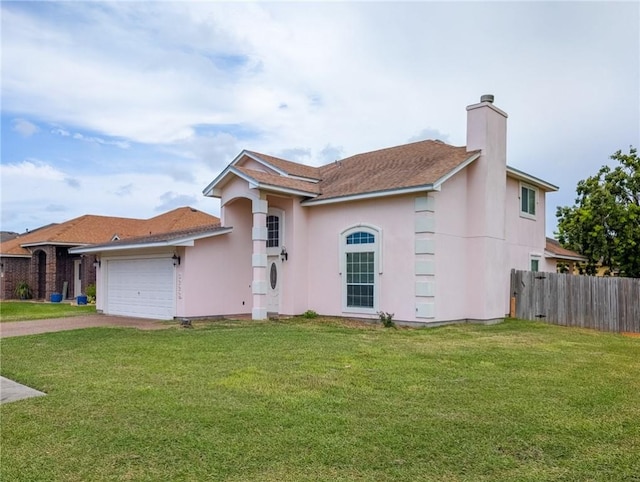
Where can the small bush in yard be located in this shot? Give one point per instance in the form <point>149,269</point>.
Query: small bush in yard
<point>310,314</point>
<point>386,319</point>
<point>91,292</point>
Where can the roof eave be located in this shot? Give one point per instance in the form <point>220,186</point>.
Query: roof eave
<point>50,243</point>
<point>523,176</point>
<point>213,188</point>
<point>370,195</point>
<point>182,241</point>
<point>550,254</point>
<point>282,190</point>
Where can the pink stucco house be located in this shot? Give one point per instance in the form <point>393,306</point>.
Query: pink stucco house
<point>426,231</point>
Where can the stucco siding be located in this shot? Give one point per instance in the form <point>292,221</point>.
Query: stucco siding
<point>216,272</point>
<point>395,218</point>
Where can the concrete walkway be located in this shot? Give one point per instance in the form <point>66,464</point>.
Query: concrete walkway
<point>11,391</point>
<point>21,328</point>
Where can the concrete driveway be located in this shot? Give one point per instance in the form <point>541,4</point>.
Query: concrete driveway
<point>11,391</point>
<point>21,328</point>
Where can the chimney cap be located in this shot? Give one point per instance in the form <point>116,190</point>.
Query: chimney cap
<point>487,98</point>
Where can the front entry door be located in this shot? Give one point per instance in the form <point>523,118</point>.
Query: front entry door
<point>274,280</point>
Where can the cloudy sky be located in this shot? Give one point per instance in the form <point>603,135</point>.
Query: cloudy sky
<point>131,109</point>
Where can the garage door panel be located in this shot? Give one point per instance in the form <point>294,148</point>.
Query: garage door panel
<point>141,287</point>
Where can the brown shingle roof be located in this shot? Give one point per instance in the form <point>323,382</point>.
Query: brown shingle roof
<point>280,181</point>
<point>554,247</point>
<point>90,229</point>
<point>291,168</point>
<point>167,236</point>
<point>411,165</point>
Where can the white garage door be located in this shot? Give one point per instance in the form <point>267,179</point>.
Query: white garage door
<point>141,287</point>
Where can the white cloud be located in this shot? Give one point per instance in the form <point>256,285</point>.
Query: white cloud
<point>24,127</point>
<point>353,77</point>
<point>36,170</point>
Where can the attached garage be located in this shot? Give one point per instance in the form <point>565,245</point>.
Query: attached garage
<point>143,287</point>
<point>148,277</point>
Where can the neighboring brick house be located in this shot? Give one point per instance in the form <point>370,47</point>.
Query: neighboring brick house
<point>42,259</point>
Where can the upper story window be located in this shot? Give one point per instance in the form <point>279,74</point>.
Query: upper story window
<point>528,195</point>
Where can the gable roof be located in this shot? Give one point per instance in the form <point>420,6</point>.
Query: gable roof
<point>267,179</point>
<point>91,229</point>
<point>418,166</point>
<point>291,168</point>
<point>553,249</point>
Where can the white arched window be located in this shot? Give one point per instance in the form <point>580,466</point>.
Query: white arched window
<point>360,268</point>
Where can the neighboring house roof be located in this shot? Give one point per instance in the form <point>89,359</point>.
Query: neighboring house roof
<point>185,237</point>
<point>7,235</point>
<point>422,165</point>
<point>553,249</point>
<point>91,229</point>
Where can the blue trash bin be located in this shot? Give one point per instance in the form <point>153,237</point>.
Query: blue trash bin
<point>82,300</point>
<point>56,297</point>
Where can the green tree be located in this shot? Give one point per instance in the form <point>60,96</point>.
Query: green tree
<point>604,223</point>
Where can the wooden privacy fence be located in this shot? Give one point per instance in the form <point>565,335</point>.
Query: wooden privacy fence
<point>607,304</point>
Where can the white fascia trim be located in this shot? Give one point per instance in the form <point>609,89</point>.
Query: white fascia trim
<point>550,255</point>
<point>523,176</point>
<point>369,195</point>
<point>261,161</point>
<point>210,190</point>
<point>186,241</point>
<point>189,240</point>
<point>284,190</point>
<point>437,185</point>
<point>50,243</point>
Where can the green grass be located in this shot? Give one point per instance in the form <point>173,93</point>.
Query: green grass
<point>28,310</point>
<point>321,400</point>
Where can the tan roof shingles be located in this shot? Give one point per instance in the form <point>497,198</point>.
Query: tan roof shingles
<point>411,165</point>
<point>280,181</point>
<point>91,229</point>
<point>291,168</point>
<point>166,236</point>
<point>553,246</point>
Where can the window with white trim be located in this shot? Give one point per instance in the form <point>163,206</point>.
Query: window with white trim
<point>528,198</point>
<point>535,264</point>
<point>360,260</point>
<point>273,231</point>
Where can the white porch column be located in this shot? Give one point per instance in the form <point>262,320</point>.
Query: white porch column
<point>259,258</point>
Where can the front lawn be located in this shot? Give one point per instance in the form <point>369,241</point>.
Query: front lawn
<point>324,400</point>
<point>29,310</point>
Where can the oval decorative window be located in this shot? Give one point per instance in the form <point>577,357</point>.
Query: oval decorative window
<point>273,276</point>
